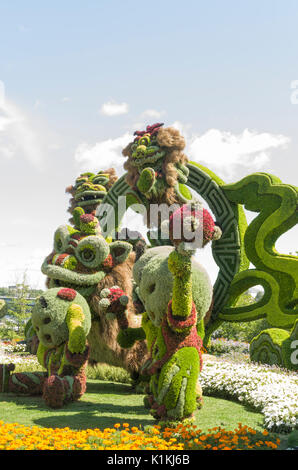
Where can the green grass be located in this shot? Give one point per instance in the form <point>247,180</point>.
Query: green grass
<point>107,403</point>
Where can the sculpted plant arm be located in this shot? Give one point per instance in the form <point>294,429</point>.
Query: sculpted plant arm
<point>114,302</point>
<point>180,266</point>
<point>77,338</point>
<point>41,350</point>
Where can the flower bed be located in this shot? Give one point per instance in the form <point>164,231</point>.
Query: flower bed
<point>12,352</point>
<point>17,437</point>
<point>272,393</point>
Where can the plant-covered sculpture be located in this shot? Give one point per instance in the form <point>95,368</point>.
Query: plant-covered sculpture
<point>31,338</point>
<point>241,245</point>
<point>276,273</point>
<point>83,260</point>
<point>90,189</point>
<point>176,293</point>
<point>61,319</point>
<point>156,166</point>
<point>276,346</point>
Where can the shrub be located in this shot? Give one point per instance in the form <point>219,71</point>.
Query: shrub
<point>221,346</point>
<point>241,331</point>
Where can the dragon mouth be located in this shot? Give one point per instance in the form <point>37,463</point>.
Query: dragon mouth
<point>86,197</point>
<point>84,291</point>
<point>141,161</point>
<point>75,280</point>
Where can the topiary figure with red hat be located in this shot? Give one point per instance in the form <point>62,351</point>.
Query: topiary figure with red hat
<point>176,293</point>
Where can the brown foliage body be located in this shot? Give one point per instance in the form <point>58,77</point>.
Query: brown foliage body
<point>172,142</point>
<point>103,335</point>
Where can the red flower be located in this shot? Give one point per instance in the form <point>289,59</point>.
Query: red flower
<point>87,218</point>
<point>67,294</point>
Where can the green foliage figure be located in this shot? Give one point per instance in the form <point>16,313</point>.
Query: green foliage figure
<point>276,273</point>
<point>175,360</point>
<point>156,167</point>
<point>176,293</point>
<point>276,346</point>
<point>90,189</point>
<point>81,256</point>
<point>61,319</point>
<point>85,261</point>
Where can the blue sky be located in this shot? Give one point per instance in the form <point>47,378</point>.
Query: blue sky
<point>214,68</point>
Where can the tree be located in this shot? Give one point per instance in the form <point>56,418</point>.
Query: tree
<point>19,306</point>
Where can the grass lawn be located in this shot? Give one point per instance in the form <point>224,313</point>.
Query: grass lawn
<point>107,403</point>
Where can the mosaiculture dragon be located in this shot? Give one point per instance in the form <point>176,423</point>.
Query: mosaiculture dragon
<point>144,302</point>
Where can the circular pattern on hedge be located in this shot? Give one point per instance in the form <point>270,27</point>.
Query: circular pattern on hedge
<point>227,250</point>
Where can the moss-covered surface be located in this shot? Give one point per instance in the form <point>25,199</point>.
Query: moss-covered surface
<point>276,346</point>
<point>276,204</point>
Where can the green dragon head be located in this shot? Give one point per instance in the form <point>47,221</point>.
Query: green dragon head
<point>90,189</point>
<point>81,257</point>
<point>145,150</point>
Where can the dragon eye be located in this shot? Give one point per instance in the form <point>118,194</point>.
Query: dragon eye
<point>145,140</point>
<point>92,251</point>
<point>88,254</point>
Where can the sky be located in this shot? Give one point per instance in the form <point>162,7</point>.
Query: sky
<point>78,78</point>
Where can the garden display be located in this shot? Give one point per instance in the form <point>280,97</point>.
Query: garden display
<point>148,305</point>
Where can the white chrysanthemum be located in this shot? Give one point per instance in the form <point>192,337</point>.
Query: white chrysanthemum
<point>274,394</point>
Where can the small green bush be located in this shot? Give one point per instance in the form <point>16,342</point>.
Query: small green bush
<point>242,331</point>
<point>221,346</point>
<point>293,439</point>
<point>109,373</point>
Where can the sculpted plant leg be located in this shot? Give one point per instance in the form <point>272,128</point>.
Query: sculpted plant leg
<point>176,392</point>
<point>58,391</point>
<point>27,383</point>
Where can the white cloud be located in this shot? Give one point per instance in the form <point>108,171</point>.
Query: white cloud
<point>18,262</point>
<point>153,113</point>
<point>38,104</point>
<point>111,108</point>
<point>182,128</point>
<point>16,134</point>
<point>65,99</point>
<point>102,155</point>
<point>228,152</point>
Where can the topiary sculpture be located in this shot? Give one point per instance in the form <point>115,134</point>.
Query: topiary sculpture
<point>176,293</point>
<point>276,346</point>
<point>90,189</point>
<point>61,319</point>
<point>156,166</point>
<point>83,260</point>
